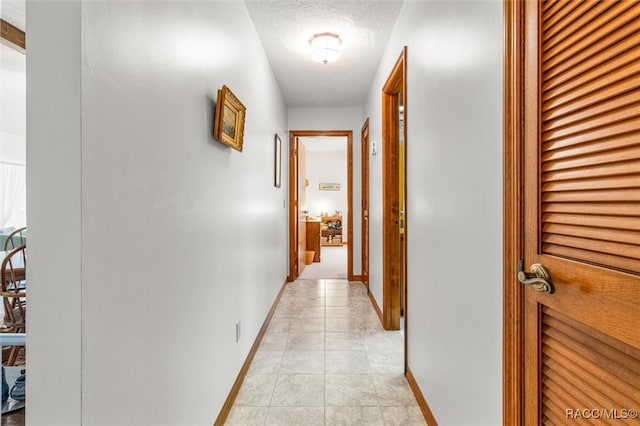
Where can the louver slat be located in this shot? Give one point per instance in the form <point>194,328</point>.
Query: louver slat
<point>564,149</point>
<point>606,247</point>
<point>552,37</point>
<point>551,7</point>
<point>626,181</point>
<point>594,171</point>
<point>583,369</point>
<point>589,69</point>
<point>619,236</point>
<point>606,223</point>
<point>609,209</point>
<point>593,196</point>
<point>594,36</point>
<point>606,157</point>
<point>590,132</point>
<point>617,83</point>
<point>558,22</point>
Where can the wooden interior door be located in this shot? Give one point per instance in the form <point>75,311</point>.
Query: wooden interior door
<point>582,210</point>
<point>402,203</point>
<point>301,176</point>
<point>365,202</point>
<point>392,258</point>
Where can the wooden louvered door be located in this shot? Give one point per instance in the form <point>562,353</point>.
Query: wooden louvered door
<point>582,211</point>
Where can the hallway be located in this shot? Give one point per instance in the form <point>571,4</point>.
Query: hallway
<point>125,98</point>
<point>325,359</point>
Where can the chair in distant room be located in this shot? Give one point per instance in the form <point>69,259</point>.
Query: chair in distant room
<point>13,290</point>
<point>16,239</point>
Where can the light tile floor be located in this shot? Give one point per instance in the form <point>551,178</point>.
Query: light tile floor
<point>326,360</point>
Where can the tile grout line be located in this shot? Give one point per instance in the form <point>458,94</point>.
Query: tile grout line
<point>266,418</point>
<point>324,394</point>
<point>353,304</point>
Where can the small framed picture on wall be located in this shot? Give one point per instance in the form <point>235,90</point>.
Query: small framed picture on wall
<point>329,187</point>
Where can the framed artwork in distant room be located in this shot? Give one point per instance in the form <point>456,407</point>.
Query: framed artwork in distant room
<point>228,124</point>
<point>278,161</point>
<point>329,187</point>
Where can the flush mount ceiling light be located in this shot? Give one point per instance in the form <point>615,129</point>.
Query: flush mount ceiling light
<point>325,47</point>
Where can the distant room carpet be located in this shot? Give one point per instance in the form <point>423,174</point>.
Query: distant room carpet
<point>333,264</point>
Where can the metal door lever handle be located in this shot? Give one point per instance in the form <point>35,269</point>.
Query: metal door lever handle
<point>538,277</point>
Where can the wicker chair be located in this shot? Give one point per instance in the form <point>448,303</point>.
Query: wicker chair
<point>16,239</point>
<point>12,280</point>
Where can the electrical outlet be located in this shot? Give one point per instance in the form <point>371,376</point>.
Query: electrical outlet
<point>237,331</point>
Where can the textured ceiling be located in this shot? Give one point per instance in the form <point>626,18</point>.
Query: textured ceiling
<point>285,27</point>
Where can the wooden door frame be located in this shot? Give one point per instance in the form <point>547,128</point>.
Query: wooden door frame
<point>293,225</point>
<point>513,214</point>
<point>293,134</point>
<point>396,82</point>
<point>364,196</point>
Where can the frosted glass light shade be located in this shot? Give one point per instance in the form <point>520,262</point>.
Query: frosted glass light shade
<point>325,47</point>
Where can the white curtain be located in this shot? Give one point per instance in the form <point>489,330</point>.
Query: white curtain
<point>13,195</point>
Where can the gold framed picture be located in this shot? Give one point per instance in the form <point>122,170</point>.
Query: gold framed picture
<point>228,124</point>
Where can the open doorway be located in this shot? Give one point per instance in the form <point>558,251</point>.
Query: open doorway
<point>321,198</point>
<point>13,186</point>
<point>12,128</point>
<point>326,205</point>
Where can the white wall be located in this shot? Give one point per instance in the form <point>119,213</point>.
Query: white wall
<point>13,110</point>
<point>327,167</point>
<point>54,215</point>
<point>13,96</point>
<point>454,211</point>
<point>175,232</point>
<point>347,118</point>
